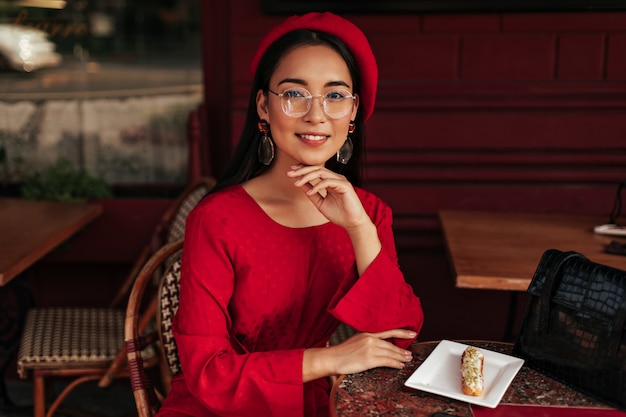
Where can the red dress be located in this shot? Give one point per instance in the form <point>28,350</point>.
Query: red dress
<point>255,294</point>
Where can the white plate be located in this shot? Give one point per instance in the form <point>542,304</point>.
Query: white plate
<point>610,230</point>
<point>440,374</point>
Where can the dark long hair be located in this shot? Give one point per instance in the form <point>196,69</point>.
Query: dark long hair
<point>244,163</point>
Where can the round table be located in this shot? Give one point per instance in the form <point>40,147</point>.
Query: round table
<point>381,391</point>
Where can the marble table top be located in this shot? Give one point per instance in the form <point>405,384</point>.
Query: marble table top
<point>381,391</point>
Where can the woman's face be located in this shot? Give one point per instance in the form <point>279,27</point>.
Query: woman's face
<point>314,137</point>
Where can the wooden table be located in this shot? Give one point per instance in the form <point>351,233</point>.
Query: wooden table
<point>500,251</point>
<point>381,392</point>
<point>28,231</point>
<point>31,229</point>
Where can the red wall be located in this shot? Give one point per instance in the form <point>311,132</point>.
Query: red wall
<point>502,111</point>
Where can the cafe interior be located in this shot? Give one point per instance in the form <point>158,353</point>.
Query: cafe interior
<point>499,133</point>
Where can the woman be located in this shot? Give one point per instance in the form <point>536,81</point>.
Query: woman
<point>286,247</point>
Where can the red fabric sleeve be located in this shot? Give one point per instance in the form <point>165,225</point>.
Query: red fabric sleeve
<point>380,299</point>
<point>218,370</point>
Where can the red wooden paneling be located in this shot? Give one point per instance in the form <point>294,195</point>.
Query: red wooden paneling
<point>502,111</point>
<point>462,23</point>
<point>616,58</point>
<point>244,47</point>
<point>564,22</point>
<point>581,57</point>
<point>388,23</point>
<point>424,200</point>
<point>508,57</point>
<point>216,32</point>
<point>420,57</point>
<point>551,130</point>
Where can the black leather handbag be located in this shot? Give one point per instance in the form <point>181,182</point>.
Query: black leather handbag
<point>574,326</point>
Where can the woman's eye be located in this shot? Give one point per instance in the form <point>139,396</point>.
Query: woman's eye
<point>293,94</point>
<point>337,95</point>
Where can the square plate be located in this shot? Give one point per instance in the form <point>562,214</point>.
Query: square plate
<point>440,374</point>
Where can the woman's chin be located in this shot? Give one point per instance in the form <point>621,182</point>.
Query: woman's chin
<point>315,160</point>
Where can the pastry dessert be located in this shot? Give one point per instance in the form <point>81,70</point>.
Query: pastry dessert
<point>472,379</point>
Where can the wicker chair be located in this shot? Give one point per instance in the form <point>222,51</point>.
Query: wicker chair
<point>88,343</point>
<point>148,395</point>
<point>342,333</point>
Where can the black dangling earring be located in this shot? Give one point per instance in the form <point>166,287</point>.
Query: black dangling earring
<point>345,153</point>
<point>266,144</point>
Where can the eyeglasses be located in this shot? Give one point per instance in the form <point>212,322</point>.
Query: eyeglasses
<point>296,102</point>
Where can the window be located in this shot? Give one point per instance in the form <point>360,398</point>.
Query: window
<point>106,84</point>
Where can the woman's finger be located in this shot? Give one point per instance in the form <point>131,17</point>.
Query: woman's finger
<point>398,333</point>
<point>331,185</point>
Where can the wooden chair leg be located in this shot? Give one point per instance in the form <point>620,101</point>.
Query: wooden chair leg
<point>39,396</point>
<point>59,399</point>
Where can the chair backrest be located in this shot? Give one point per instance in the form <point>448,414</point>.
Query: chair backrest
<point>170,228</point>
<point>169,290</point>
<point>176,217</point>
<point>147,398</point>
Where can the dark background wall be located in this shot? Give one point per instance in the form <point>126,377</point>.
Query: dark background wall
<point>514,111</point>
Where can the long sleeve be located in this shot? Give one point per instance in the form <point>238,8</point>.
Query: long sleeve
<point>380,299</point>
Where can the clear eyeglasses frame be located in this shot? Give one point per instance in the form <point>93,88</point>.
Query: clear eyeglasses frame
<point>297,101</point>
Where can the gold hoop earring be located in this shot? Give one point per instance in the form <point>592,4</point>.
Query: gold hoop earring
<point>345,152</point>
<point>266,144</point>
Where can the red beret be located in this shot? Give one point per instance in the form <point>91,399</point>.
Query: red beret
<point>345,30</point>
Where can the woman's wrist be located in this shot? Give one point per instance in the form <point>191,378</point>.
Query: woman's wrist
<point>366,244</point>
<point>315,364</point>
<point>363,232</point>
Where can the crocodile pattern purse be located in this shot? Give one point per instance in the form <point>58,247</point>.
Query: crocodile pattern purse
<point>573,329</point>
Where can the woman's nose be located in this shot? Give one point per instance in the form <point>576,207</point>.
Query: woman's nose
<point>317,111</point>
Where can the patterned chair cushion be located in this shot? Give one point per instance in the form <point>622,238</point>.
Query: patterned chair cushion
<point>48,338</point>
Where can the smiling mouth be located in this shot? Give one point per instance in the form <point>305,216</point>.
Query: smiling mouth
<point>314,138</point>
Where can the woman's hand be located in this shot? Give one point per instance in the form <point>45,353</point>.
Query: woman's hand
<point>359,353</point>
<point>335,198</point>
<point>332,194</point>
